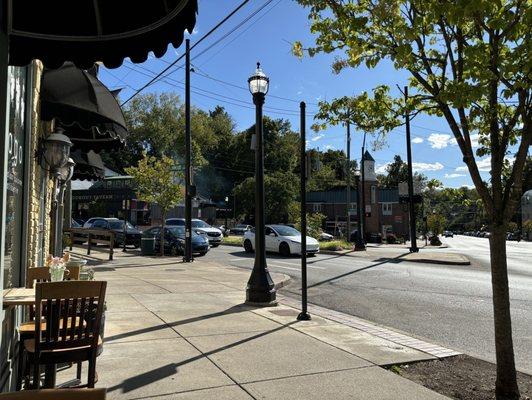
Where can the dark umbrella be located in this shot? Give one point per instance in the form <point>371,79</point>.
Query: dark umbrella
<point>84,107</point>
<point>89,166</point>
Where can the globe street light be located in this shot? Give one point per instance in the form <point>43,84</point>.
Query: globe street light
<point>260,289</point>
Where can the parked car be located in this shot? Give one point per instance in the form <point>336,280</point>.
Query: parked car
<point>117,226</point>
<point>513,236</point>
<point>224,230</point>
<point>214,234</point>
<point>282,239</point>
<point>240,229</point>
<point>448,234</point>
<point>174,240</point>
<point>326,237</point>
<point>76,224</point>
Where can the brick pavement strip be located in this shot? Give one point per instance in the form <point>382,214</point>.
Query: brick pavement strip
<point>374,329</point>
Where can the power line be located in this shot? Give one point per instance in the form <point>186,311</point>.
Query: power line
<point>241,33</point>
<point>234,29</point>
<point>197,43</point>
<point>241,103</point>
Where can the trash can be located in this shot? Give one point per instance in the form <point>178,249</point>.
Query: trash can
<point>147,246</point>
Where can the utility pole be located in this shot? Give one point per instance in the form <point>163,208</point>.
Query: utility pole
<point>188,150</point>
<point>413,241</point>
<point>348,181</point>
<point>363,189</point>
<point>304,315</point>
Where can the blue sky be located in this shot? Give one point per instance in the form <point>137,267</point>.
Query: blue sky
<point>266,38</point>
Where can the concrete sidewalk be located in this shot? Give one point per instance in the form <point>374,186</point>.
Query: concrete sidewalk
<point>181,331</point>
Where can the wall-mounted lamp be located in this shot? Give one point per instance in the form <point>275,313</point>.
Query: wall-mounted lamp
<point>55,150</point>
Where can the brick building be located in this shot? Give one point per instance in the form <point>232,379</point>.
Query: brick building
<point>383,212</point>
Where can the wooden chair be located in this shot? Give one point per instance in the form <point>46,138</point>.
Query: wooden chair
<point>26,329</point>
<point>72,313</point>
<point>56,394</point>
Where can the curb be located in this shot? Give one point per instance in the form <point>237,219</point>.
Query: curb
<point>416,260</point>
<point>283,282</point>
<point>440,262</point>
<point>230,244</point>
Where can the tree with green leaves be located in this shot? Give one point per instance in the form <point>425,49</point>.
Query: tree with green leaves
<point>469,63</point>
<point>279,192</point>
<point>156,180</point>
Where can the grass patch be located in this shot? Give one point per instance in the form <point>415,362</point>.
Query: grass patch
<point>233,240</point>
<point>335,245</point>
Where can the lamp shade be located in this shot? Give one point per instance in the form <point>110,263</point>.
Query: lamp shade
<point>258,82</point>
<point>66,171</point>
<point>57,149</point>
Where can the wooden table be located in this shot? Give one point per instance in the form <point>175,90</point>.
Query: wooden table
<point>18,297</point>
<point>26,297</point>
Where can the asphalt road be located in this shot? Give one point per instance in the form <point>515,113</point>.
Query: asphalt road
<point>447,305</point>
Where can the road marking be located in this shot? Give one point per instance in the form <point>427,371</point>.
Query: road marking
<point>276,261</point>
<point>308,266</point>
<point>282,266</point>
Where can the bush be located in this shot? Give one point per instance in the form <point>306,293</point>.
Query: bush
<point>336,245</point>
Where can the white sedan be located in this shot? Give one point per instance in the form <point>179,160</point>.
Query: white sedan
<point>282,239</point>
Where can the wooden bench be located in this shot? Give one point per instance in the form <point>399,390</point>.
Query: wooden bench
<point>93,236</point>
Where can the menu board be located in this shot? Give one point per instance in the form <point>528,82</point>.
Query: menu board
<point>15,176</point>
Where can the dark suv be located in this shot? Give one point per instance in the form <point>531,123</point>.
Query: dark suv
<point>117,226</point>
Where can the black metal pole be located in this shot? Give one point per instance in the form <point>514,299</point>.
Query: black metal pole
<point>125,226</point>
<point>363,192</point>
<point>260,289</point>
<point>303,315</point>
<point>348,182</point>
<point>413,239</point>
<point>188,150</point>
<point>359,243</point>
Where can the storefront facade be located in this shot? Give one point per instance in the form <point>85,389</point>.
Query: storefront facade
<point>26,199</point>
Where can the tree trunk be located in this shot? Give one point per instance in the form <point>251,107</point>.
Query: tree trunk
<point>506,385</point>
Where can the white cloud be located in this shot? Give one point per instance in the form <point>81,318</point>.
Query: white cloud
<point>381,168</point>
<point>420,167</point>
<point>329,146</point>
<point>453,175</point>
<point>441,140</point>
<point>301,92</point>
<point>417,140</point>
<point>317,137</point>
<point>484,165</point>
<point>474,140</point>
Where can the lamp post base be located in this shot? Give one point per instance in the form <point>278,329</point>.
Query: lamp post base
<point>261,298</point>
<point>304,316</point>
<point>414,249</point>
<point>360,247</point>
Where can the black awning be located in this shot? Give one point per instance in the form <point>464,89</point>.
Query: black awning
<point>87,31</point>
<point>84,107</point>
<point>89,166</point>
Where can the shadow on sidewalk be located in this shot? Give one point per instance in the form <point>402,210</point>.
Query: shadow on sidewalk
<point>165,371</point>
<point>382,261</point>
<point>232,310</point>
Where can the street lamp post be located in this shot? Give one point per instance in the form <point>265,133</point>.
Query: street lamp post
<point>226,204</point>
<point>359,243</point>
<point>260,289</point>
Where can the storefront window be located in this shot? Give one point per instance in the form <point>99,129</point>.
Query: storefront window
<point>15,176</point>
